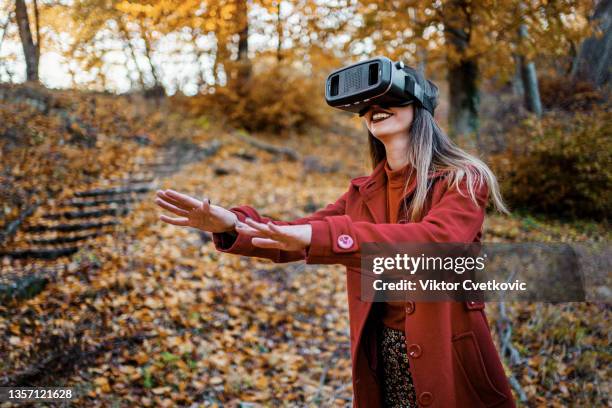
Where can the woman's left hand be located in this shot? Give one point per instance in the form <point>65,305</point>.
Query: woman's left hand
<point>285,237</point>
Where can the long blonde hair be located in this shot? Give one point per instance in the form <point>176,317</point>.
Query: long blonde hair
<point>431,150</point>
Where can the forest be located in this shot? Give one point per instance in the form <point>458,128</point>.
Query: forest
<point>102,103</point>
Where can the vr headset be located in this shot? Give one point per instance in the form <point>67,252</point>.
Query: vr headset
<point>378,81</point>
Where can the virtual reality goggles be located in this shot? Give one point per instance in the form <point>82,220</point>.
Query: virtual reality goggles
<point>378,81</point>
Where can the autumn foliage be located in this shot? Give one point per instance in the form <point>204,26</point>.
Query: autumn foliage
<point>562,93</point>
<point>51,142</point>
<point>142,313</point>
<point>151,315</point>
<point>560,165</point>
<point>280,97</point>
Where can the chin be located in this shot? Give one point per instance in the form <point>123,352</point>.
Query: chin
<point>384,128</point>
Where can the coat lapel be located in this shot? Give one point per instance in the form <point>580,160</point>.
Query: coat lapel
<point>371,189</point>
<point>371,194</point>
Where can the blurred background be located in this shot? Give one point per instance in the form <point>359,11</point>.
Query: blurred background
<point>103,102</point>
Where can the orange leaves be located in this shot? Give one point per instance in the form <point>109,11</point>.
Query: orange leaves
<point>141,358</point>
<point>227,10</point>
<point>218,324</point>
<point>61,140</point>
<point>565,154</point>
<point>102,385</point>
<point>153,303</point>
<point>222,330</point>
<point>283,94</point>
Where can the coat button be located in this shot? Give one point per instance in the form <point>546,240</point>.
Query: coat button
<point>409,307</point>
<point>426,398</point>
<point>345,241</point>
<point>414,351</point>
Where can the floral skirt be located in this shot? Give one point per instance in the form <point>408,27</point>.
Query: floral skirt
<point>397,388</point>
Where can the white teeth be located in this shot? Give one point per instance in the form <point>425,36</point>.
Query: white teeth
<point>380,116</point>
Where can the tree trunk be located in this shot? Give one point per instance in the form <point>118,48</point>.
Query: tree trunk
<point>529,78</point>
<point>221,58</point>
<point>516,82</point>
<point>5,27</point>
<point>202,82</point>
<point>422,60</point>
<point>595,56</point>
<point>243,31</point>
<point>30,50</point>
<point>37,25</point>
<point>421,52</point>
<point>126,37</point>
<point>244,65</point>
<point>215,65</point>
<point>220,52</point>
<point>279,31</point>
<point>463,74</point>
<point>148,55</point>
<point>463,118</point>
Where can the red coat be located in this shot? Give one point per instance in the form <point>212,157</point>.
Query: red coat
<point>453,360</point>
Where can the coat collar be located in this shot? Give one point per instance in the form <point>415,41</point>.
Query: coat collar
<point>369,186</point>
<point>377,179</point>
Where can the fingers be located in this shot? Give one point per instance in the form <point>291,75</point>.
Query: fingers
<point>267,243</point>
<point>269,230</point>
<point>185,204</point>
<point>275,228</point>
<point>261,227</point>
<point>245,229</point>
<point>172,208</point>
<point>185,200</point>
<point>162,194</point>
<point>206,205</point>
<point>180,221</point>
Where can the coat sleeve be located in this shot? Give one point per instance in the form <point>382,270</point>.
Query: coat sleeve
<point>240,244</point>
<point>336,239</point>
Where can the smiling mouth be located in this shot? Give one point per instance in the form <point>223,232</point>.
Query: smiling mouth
<point>378,115</point>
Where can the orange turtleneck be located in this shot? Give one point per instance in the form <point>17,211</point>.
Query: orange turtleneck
<point>394,314</point>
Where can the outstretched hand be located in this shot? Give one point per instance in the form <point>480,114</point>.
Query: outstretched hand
<point>269,235</point>
<point>194,213</point>
<point>201,214</point>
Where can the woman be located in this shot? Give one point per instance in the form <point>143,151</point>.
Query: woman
<point>423,189</point>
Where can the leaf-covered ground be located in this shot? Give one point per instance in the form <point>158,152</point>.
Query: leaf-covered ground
<point>53,142</point>
<point>152,315</point>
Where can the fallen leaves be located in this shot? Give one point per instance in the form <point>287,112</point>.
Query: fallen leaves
<point>224,330</point>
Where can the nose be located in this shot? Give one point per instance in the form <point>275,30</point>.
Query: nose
<point>365,110</point>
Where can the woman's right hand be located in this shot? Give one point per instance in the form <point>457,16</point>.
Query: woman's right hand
<point>195,213</point>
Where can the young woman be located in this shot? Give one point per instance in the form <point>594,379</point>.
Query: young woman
<point>423,188</point>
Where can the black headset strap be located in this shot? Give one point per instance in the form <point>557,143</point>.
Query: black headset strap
<point>416,90</point>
